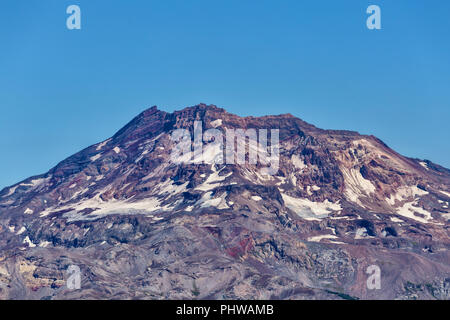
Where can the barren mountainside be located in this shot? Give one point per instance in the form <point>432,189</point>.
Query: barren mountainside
<point>140,226</point>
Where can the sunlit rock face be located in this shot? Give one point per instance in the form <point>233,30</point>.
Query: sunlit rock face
<point>140,225</point>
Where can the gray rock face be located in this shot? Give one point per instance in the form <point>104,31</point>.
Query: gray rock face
<point>142,227</point>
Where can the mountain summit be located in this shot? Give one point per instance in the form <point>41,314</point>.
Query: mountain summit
<point>141,225</point>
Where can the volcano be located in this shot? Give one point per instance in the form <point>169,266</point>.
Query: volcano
<point>142,226</point>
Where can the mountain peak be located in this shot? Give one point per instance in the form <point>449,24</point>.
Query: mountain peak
<point>334,194</point>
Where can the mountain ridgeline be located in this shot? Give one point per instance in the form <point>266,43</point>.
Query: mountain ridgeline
<point>140,225</point>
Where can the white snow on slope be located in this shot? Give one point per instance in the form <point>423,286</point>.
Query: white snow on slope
<point>169,188</point>
<point>314,188</point>
<point>11,191</point>
<point>216,123</point>
<point>293,179</point>
<point>410,194</point>
<point>308,209</point>
<point>44,244</point>
<point>103,208</point>
<point>324,236</point>
<point>28,241</point>
<point>405,193</point>
<point>110,207</point>
<point>35,182</point>
<point>101,145</point>
<point>208,201</point>
<point>97,156</point>
<point>361,233</point>
<point>257,178</point>
<point>213,153</point>
<point>297,162</point>
<point>424,164</point>
<point>356,185</point>
<point>408,209</point>
<point>256,198</point>
<point>213,180</point>
<point>446,193</point>
<point>116,150</point>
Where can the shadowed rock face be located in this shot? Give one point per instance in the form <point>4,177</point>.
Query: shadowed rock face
<point>140,226</point>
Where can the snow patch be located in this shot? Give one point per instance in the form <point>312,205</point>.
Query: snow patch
<point>405,193</point>
<point>145,152</point>
<point>101,145</point>
<point>11,191</point>
<point>35,182</point>
<point>100,208</point>
<point>298,162</point>
<point>212,153</point>
<point>216,123</point>
<point>314,188</point>
<point>96,157</point>
<point>208,201</point>
<point>424,164</point>
<point>167,187</point>
<point>356,185</point>
<point>446,193</point>
<point>28,241</point>
<point>361,233</point>
<point>408,209</point>
<point>405,203</point>
<point>110,207</point>
<point>293,179</point>
<point>324,236</point>
<point>213,180</point>
<point>308,209</point>
<point>28,211</point>
<point>44,244</point>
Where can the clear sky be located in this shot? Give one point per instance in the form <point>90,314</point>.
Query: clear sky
<point>62,90</point>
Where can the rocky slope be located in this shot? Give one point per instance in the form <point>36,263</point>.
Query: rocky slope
<point>140,226</point>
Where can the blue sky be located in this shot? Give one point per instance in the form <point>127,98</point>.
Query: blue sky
<point>62,90</point>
